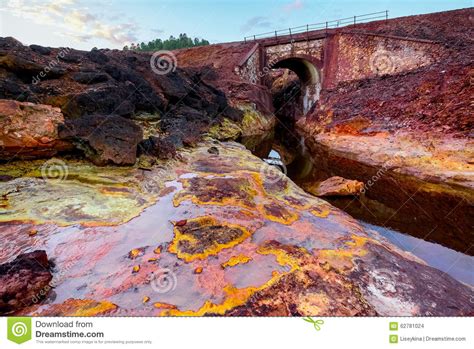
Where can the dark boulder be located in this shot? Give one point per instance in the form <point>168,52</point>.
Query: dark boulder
<point>70,56</point>
<point>13,89</point>
<point>174,86</point>
<point>20,65</point>
<point>90,77</point>
<point>113,82</point>
<point>9,42</point>
<point>102,100</point>
<point>160,147</point>
<point>104,139</point>
<point>41,49</point>
<point>97,56</point>
<point>24,281</point>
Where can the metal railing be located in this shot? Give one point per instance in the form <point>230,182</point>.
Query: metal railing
<point>337,23</point>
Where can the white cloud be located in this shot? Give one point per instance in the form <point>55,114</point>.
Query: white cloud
<point>72,20</point>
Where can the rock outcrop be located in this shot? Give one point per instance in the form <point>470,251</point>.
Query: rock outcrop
<point>112,83</point>
<point>24,281</point>
<point>29,130</point>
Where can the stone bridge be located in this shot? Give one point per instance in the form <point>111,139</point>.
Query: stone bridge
<point>322,59</point>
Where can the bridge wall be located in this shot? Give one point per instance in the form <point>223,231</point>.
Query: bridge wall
<point>311,48</point>
<point>250,68</point>
<point>343,56</point>
<point>352,56</point>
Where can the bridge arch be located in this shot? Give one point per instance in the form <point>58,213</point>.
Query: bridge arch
<point>308,70</point>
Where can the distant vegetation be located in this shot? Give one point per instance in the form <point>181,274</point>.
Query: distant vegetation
<point>172,43</point>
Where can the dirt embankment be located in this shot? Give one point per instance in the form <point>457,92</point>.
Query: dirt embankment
<point>408,136</point>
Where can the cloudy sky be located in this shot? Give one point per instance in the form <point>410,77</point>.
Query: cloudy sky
<point>84,24</point>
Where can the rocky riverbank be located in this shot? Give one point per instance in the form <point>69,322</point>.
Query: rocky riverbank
<point>130,188</point>
<point>218,232</point>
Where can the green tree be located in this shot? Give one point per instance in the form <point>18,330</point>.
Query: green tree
<point>182,41</point>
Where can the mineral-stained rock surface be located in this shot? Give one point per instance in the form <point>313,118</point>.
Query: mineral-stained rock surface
<point>24,281</point>
<point>217,238</point>
<point>29,130</point>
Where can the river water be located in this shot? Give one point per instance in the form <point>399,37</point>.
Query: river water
<point>456,264</point>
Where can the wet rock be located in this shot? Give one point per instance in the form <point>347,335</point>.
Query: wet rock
<point>335,186</point>
<point>29,130</point>
<point>24,281</point>
<point>104,138</point>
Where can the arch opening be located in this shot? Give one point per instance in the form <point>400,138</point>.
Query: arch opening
<point>309,77</point>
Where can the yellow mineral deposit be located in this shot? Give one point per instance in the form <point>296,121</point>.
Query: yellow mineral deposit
<point>235,260</point>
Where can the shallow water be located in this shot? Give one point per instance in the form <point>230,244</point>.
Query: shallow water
<point>456,264</point>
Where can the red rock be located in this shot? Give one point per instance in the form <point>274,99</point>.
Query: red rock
<point>24,281</point>
<point>335,186</point>
<point>29,130</point>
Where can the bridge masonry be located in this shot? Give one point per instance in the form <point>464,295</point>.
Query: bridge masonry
<point>323,59</point>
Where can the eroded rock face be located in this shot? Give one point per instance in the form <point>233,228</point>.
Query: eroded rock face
<point>227,234</point>
<point>104,138</point>
<point>29,130</point>
<point>112,82</point>
<point>24,281</point>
